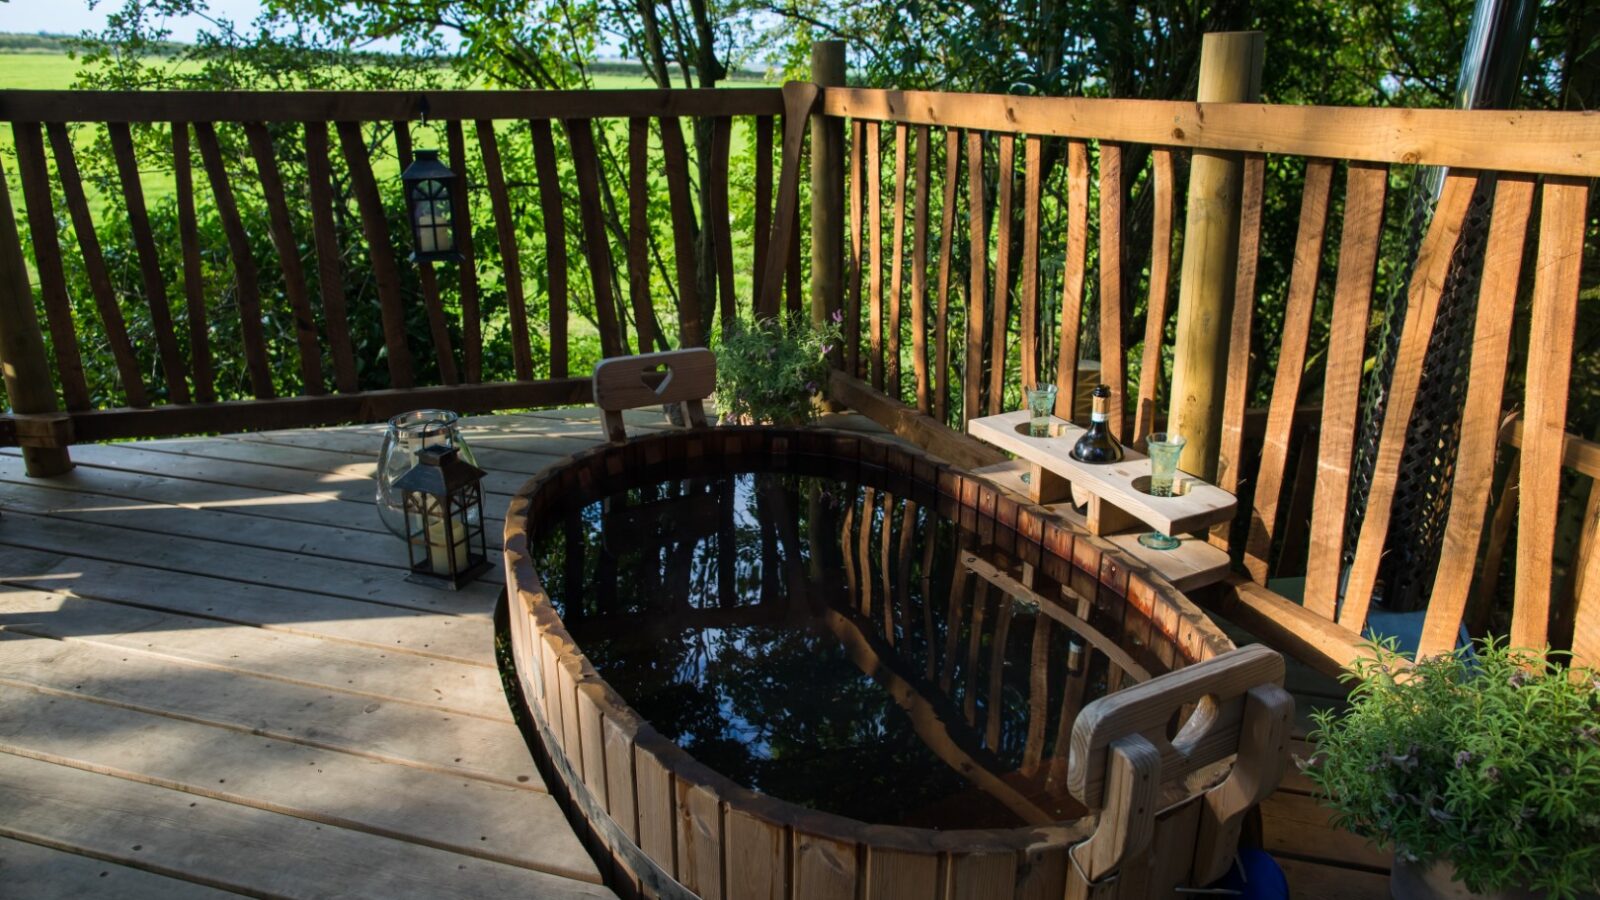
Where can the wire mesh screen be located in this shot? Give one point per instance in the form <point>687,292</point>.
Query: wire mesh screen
<point>1427,464</point>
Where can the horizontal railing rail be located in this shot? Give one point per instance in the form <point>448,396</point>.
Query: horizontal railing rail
<point>1541,142</point>
<point>380,106</point>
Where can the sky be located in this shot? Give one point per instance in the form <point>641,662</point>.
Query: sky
<point>72,17</point>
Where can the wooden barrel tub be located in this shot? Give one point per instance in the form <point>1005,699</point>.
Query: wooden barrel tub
<point>672,827</point>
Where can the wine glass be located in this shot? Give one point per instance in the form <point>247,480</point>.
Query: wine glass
<point>1164,449</point>
<point>406,435</point>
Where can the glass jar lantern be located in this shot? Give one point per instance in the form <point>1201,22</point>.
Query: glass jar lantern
<point>406,436</point>
<point>443,502</point>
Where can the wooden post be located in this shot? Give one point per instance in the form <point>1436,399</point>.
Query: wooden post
<point>27,369</point>
<point>827,189</point>
<point>1230,72</point>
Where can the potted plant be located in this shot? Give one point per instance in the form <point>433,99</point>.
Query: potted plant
<point>1481,769</point>
<point>774,373</point>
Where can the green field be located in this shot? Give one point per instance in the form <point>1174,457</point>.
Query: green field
<point>36,71</point>
<point>55,71</point>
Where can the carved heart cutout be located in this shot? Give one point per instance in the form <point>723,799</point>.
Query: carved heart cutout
<point>656,378</point>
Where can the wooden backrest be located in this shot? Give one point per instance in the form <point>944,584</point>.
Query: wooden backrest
<point>1125,768</point>
<point>684,377</point>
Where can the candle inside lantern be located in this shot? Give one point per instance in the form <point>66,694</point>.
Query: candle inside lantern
<point>452,558</point>
<point>427,234</point>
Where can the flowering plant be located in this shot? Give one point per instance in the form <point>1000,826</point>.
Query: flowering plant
<point>1488,757</point>
<point>769,372</point>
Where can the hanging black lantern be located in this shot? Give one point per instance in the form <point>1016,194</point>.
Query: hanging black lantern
<point>444,519</point>
<point>429,206</point>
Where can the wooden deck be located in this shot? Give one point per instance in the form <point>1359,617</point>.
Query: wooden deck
<point>214,680</point>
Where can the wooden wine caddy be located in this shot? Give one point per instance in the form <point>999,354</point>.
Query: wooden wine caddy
<point>1115,500</point>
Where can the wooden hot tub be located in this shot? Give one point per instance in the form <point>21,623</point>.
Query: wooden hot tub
<point>1093,696</point>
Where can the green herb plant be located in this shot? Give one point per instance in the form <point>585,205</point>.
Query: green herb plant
<point>1488,757</point>
<point>771,373</point>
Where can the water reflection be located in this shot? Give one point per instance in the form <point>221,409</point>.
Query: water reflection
<point>839,646</point>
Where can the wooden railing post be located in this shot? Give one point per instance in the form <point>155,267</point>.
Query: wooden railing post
<point>827,188</point>
<point>1230,72</point>
<point>27,369</point>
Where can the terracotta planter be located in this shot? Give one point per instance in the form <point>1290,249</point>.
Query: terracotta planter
<point>1436,881</point>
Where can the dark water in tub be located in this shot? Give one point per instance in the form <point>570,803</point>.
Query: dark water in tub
<point>836,645</point>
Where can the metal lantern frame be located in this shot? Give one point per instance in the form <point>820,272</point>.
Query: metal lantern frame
<point>445,541</point>
<point>430,208</point>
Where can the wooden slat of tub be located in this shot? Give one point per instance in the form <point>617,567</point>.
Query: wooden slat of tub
<point>244,262</point>
<point>919,273</point>
<point>505,234</point>
<point>1112,283</point>
<point>283,240</point>
<point>596,244</point>
<point>461,216</point>
<point>155,286</point>
<point>620,802</point>
<point>989,875</point>
<point>593,744</point>
<point>901,874</point>
<point>998,350</point>
<point>1072,280</point>
<point>756,856</point>
<point>824,868</point>
<point>554,222</point>
<point>94,265</point>
<point>29,142</point>
<point>385,271</point>
<point>1032,190</point>
<point>941,335</point>
<point>330,278</point>
<point>658,808</point>
<point>699,840</point>
<point>1043,874</point>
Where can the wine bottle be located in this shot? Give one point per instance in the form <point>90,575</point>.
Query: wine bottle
<point>1097,445</point>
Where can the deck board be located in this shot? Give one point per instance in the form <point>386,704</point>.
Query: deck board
<point>214,677</point>
<point>187,624</point>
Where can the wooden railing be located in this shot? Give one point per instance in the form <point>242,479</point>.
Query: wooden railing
<point>222,357</point>
<point>1010,222</point>
<point>1012,183</point>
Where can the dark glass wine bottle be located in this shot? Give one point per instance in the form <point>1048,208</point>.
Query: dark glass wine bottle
<point>1097,445</point>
